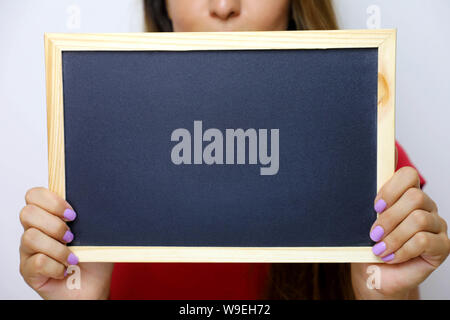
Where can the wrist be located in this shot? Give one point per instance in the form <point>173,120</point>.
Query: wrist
<point>362,291</point>
<point>377,294</point>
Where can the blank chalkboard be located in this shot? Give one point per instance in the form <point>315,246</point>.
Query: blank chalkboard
<point>126,114</point>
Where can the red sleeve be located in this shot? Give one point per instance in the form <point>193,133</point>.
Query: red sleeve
<point>188,281</point>
<point>403,161</point>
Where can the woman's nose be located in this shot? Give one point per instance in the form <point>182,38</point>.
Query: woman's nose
<point>224,9</point>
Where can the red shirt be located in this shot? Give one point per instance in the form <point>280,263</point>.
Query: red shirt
<point>197,281</point>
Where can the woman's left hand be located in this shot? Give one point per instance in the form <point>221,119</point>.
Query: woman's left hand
<point>411,239</point>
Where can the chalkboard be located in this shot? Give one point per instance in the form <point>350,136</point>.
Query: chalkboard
<point>221,149</point>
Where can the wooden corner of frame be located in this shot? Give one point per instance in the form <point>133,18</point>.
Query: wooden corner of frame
<point>391,35</point>
<point>47,39</point>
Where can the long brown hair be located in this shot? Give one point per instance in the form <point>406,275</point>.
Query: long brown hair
<point>287,280</point>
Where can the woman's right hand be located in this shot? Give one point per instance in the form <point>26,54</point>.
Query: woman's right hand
<point>44,256</point>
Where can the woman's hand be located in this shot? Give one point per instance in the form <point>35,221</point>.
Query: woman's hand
<point>411,238</point>
<point>44,256</point>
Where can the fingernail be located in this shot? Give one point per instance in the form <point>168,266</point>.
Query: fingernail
<point>379,248</point>
<point>72,259</point>
<point>389,257</point>
<point>69,214</point>
<point>380,206</point>
<point>68,236</point>
<point>65,273</point>
<point>377,233</point>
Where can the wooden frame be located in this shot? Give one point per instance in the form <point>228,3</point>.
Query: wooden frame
<point>384,40</point>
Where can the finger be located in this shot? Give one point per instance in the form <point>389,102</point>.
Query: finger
<point>32,216</point>
<point>35,241</point>
<point>404,179</point>
<point>40,264</point>
<point>412,199</point>
<point>423,243</point>
<point>51,202</point>
<point>417,221</point>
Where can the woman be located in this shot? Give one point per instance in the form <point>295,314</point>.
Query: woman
<point>411,237</point>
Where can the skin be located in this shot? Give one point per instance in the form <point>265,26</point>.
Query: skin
<point>414,231</point>
<point>228,15</point>
<point>44,254</point>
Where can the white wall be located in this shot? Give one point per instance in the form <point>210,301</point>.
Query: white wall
<point>423,92</point>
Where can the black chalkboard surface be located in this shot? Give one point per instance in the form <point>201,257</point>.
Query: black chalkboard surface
<point>120,109</point>
<point>255,148</point>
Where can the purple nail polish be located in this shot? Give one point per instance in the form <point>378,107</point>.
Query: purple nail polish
<point>380,206</point>
<point>379,248</point>
<point>377,233</point>
<point>69,214</point>
<point>389,257</point>
<point>72,259</point>
<point>68,236</point>
<point>65,273</point>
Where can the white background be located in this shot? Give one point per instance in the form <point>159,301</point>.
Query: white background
<point>423,95</point>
